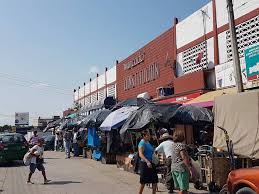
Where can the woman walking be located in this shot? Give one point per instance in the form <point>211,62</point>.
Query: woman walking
<point>181,166</point>
<point>147,169</point>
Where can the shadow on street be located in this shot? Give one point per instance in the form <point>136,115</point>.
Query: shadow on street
<point>17,163</point>
<point>62,182</point>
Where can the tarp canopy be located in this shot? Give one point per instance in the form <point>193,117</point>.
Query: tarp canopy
<point>95,119</point>
<point>132,102</point>
<point>192,115</point>
<point>117,118</point>
<point>156,113</point>
<point>207,99</point>
<point>53,124</point>
<point>239,115</point>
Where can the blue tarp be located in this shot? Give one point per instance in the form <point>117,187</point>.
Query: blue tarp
<point>93,138</point>
<point>97,155</point>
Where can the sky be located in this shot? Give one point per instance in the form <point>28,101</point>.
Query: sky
<point>50,47</point>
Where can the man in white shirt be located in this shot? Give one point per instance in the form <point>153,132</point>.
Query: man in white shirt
<point>166,148</point>
<point>37,161</point>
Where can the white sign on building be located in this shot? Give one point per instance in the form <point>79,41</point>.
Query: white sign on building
<point>225,75</point>
<point>22,118</point>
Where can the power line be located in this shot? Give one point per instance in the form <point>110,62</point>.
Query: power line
<point>34,86</point>
<point>33,83</point>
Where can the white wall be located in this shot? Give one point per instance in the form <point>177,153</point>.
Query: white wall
<point>111,75</point>
<point>93,85</point>
<point>222,47</point>
<point>210,52</point>
<point>192,27</point>
<point>241,7</point>
<point>179,65</point>
<point>101,81</point>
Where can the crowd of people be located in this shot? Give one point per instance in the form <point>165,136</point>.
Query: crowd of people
<point>178,163</point>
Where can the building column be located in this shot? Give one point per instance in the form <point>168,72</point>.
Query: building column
<point>215,33</point>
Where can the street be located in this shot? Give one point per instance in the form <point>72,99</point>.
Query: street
<point>71,176</point>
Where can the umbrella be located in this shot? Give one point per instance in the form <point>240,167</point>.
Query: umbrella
<point>68,123</point>
<point>192,115</point>
<point>132,102</point>
<point>52,124</point>
<point>149,113</point>
<point>117,118</point>
<point>72,116</point>
<point>95,119</point>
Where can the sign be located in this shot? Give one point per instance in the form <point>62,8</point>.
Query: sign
<point>252,62</point>
<point>134,62</point>
<point>150,73</point>
<point>22,118</point>
<point>225,74</point>
<point>181,99</point>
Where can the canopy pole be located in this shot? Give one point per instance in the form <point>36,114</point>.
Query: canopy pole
<point>132,142</point>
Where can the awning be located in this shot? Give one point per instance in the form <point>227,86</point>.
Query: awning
<point>180,99</point>
<point>207,99</point>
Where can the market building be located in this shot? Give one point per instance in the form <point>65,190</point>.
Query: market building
<point>97,93</point>
<point>192,57</point>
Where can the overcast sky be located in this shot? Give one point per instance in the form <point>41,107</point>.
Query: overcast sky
<point>50,47</point>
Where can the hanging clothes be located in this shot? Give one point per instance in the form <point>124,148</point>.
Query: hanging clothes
<point>93,138</point>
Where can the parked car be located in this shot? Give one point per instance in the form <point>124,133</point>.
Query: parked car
<point>13,146</point>
<point>49,142</point>
<point>243,181</point>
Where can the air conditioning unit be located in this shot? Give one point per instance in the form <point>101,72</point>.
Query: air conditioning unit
<point>164,91</point>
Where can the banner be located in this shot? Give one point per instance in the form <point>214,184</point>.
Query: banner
<point>22,118</point>
<point>252,62</point>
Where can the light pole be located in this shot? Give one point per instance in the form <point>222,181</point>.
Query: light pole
<point>78,96</point>
<point>236,60</point>
<point>84,93</point>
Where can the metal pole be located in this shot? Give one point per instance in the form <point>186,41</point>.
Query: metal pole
<point>236,60</point>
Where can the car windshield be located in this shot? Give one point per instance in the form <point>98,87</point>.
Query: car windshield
<point>12,138</point>
<point>48,137</point>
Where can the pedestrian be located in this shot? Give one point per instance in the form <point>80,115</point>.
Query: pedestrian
<point>56,141</point>
<point>34,139</point>
<point>148,172</point>
<point>75,142</point>
<point>166,147</point>
<point>60,140</point>
<point>67,142</point>
<point>181,166</point>
<point>37,161</point>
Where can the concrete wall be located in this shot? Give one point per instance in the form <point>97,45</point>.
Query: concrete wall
<point>192,27</point>
<point>241,7</point>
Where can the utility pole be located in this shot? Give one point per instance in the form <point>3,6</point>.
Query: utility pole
<point>236,60</point>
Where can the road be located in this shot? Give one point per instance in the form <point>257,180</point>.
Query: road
<point>70,176</point>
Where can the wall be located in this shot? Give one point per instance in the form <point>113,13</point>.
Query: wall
<point>159,51</point>
<point>92,87</point>
<point>192,27</point>
<point>241,7</point>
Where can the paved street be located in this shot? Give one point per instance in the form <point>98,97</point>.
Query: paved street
<point>74,176</point>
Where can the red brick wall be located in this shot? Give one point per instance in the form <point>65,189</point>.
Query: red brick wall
<point>189,82</point>
<point>159,50</point>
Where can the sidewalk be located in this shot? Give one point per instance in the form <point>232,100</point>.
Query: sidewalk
<point>72,176</point>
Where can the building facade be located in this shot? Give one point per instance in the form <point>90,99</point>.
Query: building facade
<point>93,93</point>
<point>193,56</point>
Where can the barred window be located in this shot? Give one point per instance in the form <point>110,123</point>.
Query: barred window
<point>190,56</point>
<point>247,35</point>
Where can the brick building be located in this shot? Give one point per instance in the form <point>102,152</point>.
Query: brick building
<point>192,57</point>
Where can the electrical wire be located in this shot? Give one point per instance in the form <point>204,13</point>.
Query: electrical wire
<point>26,80</point>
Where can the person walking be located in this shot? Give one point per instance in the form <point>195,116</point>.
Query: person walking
<point>75,143</point>
<point>37,161</point>
<point>67,142</point>
<point>181,166</point>
<point>166,147</point>
<point>148,172</point>
<point>34,139</point>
